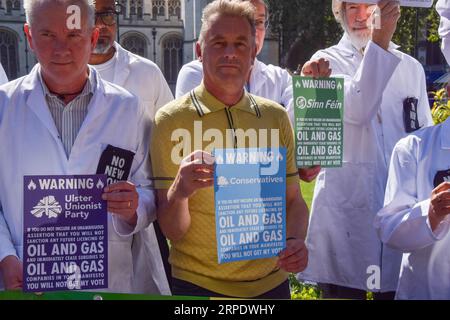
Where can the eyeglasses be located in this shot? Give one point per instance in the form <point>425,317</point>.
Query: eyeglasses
<point>109,18</point>
<point>261,24</point>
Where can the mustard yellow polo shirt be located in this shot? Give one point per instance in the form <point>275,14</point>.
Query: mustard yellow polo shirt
<point>180,128</point>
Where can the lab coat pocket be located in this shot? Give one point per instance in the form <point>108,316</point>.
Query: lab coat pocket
<point>351,186</point>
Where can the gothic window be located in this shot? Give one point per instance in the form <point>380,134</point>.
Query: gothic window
<point>132,8</point>
<point>158,8</point>
<point>135,43</point>
<point>9,6</point>
<point>137,8</point>
<point>173,58</point>
<point>16,5</point>
<point>175,8</point>
<point>140,10</point>
<point>8,54</point>
<point>123,7</point>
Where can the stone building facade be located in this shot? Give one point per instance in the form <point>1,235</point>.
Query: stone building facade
<point>164,31</point>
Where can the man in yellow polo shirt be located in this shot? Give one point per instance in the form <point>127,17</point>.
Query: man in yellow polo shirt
<point>187,130</point>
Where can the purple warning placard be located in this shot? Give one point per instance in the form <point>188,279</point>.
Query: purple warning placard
<point>65,233</point>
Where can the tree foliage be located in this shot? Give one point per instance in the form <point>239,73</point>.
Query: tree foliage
<point>305,26</point>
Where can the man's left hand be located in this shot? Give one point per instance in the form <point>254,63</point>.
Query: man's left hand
<point>295,257</point>
<point>123,200</point>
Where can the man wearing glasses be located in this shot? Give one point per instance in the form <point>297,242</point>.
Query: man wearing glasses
<point>144,79</point>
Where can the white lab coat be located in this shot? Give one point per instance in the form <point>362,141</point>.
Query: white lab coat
<point>403,222</point>
<point>341,239</point>
<point>267,81</point>
<point>31,146</point>
<point>144,79</point>
<point>443,8</point>
<point>3,77</point>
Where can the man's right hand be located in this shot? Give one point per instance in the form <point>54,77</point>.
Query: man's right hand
<point>309,174</point>
<point>389,11</point>
<point>195,172</point>
<point>319,68</point>
<point>12,272</point>
<point>439,204</point>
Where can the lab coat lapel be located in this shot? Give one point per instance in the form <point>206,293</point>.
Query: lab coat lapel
<point>121,70</point>
<point>97,106</point>
<point>37,103</point>
<point>258,76</point>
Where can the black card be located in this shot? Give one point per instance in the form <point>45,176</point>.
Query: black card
<point>410,115</point>
<point>115,163</point>
<point>441,176</point>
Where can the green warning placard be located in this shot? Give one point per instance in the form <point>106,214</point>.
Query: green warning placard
<point>319,109</point>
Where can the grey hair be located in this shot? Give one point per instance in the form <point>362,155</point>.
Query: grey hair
<point>239,8</point>
<point>266,6</point>
<point>30,5</point>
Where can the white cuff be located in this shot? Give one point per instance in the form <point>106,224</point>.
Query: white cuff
<point>414,233</point>
<point>8,253</point>
<point>442,228</point>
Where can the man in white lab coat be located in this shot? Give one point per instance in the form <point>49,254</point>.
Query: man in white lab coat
<point>443,8</point>
<point>57,121</point>
<point>385,99</point>
<point>144,79</point>
<point>3,77</point>
<point>416,217</point>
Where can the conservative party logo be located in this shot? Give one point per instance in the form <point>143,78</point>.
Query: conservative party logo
<point>48,206</point>
<point>222,181</point>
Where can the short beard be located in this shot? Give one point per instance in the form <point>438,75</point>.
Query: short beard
<point>102,47</point>
<point>359,41</point>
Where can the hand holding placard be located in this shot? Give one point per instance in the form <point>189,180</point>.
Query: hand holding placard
<point>123,200</point>
<point>12,270</point>
<point>195,172</point>
<point>389,13</point>
<point>316,68</point>
<point>295,257</point>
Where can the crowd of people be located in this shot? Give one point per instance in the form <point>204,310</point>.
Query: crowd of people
<point>384,213</point>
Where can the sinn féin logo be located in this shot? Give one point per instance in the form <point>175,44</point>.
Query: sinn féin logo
<point>301,102</point>
<point>48,206</point>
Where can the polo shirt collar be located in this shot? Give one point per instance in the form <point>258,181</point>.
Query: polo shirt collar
<point>206,103</point>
